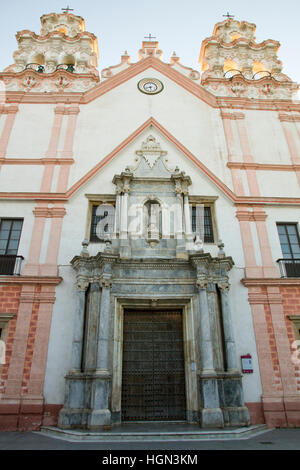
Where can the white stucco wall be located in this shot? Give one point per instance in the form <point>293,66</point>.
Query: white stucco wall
<point>31,131</point>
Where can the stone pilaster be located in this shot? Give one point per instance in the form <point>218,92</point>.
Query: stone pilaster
<point>77,345</point>
<point>101,384</point>
<point>211,413</point>
<point>230,348</point>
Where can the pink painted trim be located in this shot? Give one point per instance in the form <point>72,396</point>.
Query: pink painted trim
<point>37,161</point>
<point>56,129</point>
<point>6,133</point>
<point>295,158</point>
<point>39,359</point>
<point>286,366</point>
<point>235,174</point>
<point>31,267</point>
<point>263,347</point>
<point>247,242</point>
<point>69,138</point>
<point>263,166</point>
<point>47,178</point>
<point>54,241</point>
<point>128,140</point>
<point>17,360</point>
<point>30,280</point>
<point>63,179</point>
<point>248,158</point>
<point>269,269</point>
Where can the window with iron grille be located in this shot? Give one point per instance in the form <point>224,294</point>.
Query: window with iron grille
<point>10,233</point>
<point>99,232</point>
<point>205,222</point>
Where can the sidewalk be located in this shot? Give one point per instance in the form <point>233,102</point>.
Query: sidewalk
<point>276,439</point>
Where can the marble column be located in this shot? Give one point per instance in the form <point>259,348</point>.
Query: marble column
<point>230,348</point>
<point>125,251</point>
<point>103,330</point>
<point>90,347</point>
<point>180,242</point>
<point>188,224</point>
<point>101,385</point>
<point>211,413</point>
<point>206,346</point>
<point>117,214</point>
<point>73,412</point>
<point>124,216</point>
<point>77,346</point>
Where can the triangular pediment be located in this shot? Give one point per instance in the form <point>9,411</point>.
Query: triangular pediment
<point>141,66</point>
<point>147,128</point>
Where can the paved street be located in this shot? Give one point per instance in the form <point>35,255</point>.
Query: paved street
<point>277,439</point>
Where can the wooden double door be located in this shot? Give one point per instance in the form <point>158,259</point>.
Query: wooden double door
<point>153,375</point>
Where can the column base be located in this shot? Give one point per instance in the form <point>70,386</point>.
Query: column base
<point>125,248</point>
<point>212,418</point>
<point>99,418</point>
<point>236,416</point>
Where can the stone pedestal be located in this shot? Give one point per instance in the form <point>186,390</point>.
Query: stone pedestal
<point>211,414</point>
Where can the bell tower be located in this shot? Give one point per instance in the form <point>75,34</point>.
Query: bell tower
<point>234,64</point>
<point>63,56</point>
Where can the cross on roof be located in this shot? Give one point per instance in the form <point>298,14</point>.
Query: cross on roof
<point>228,15</point>
<point>149,37</point>
<point>66,10</point>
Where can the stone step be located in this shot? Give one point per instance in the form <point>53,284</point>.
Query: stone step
<point>170,433</point>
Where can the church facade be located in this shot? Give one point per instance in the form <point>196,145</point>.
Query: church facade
<point>149,234</point>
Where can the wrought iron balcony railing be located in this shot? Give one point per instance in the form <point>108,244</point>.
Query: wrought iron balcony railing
<point>10,265</point>
<point>289,267</point>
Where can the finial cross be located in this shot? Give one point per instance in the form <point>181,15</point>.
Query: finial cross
<point>149,37</point>
<point>66,10</point>
<point>228,15</point>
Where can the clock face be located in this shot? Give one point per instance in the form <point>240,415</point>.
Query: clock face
<point>150,86</point>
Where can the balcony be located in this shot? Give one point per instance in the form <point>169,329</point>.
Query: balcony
<point>10,265</point>
<point>289,267</point>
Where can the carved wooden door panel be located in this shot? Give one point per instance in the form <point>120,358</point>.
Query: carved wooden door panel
<point>153,380</point>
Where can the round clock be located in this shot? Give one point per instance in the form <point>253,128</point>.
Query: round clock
<point>150,86</point>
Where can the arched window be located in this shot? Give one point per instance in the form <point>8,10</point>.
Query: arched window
<point>230,68</point>
<point>259,70</point>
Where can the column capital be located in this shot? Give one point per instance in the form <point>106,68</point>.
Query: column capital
<point>202,283</point>
<point>224,286</point>
<point>82,284</point>
<point>105,283</point>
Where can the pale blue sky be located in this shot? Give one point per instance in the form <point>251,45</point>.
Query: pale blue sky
<point>179,25</point>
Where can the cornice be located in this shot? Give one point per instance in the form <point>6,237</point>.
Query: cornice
<point>263,166</point>
<point>216,41</point>
<point>47,212</point>
<point>134,69</point>
<point>64,197</point>
<point>36,161</point>
<point>288,117</point>
<point>49,35</point>
<point>262,282</point>
<point>30,280</point>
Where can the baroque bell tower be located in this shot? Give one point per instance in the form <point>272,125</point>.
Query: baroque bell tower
<point>234,64</point>
<point>64,56</point>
